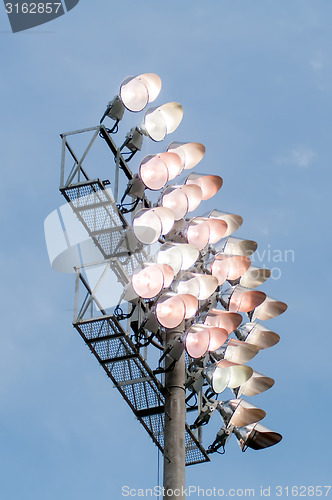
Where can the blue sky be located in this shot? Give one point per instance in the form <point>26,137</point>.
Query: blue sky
<point>254,79</point>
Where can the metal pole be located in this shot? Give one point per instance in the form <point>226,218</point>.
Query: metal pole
<point>174,433</point>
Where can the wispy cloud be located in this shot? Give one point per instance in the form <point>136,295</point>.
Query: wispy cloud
<point>299,157</point>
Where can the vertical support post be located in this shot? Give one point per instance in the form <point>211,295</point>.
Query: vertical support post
<point>116,180</point>
<point>174,433</point>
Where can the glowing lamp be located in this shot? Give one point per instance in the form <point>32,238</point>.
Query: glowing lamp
<point>201,286</point>
<point>180,256</point>
<point>240,299</point>
<point>256,436</point>
<point>233,221</point>
<point>136,92</point>
<point>150,223</point>
<point>257,334</point>
<point>181,199</point>
<point>172,309</point>
<point>150,280</point>
<point>162,120</point>
<point>190,153</point>
<point>226,374</point>
<point>200,339</point>
<point>209,184</point>
<point>229,267</point>
<point>239,413</point>
<point>223,319</point>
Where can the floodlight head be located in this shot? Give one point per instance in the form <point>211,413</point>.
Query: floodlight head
<point>233,221</point>
<point>236,351</point>
<point>170,310</point>
<point>210,184</point>
<point>191,304</point>
<point>218,228</point>
<point>229,267</point>
<point>153,172</point>
<point>190,153</point>
<point>180,256</point>
<point>256,437</point>
<point>136,92</point>
<point>223,319</point>
<point>149,281</point>
<point>241,299</point>
<point>269,309</point>
<point>226,374</point>
<point>181,199</point>
<point>257,384</point>
<point>254,277</point>
<point>150,223</point>
<point>202,286</point>
<point>162,120</point>
<point>200,339</point>
<point>198,233</point>
<point>239,413</point>
<point>236,246</point>
<point>257,334</point>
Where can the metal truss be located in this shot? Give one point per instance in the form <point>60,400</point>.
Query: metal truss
<point>111,343</point>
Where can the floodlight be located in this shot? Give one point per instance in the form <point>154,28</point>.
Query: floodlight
<point>162,120</point>
<point>181,199</point>
<point>257,334</point>
<point>223,319</point>
<point>150,223</point>
<point>156,170</point>
<point>236,351</point>
<point>239,413</point>
<point>254,277</point>
<point>269,309</point>
<point>241,299</point>
<point>150,280</point>
<point>226,374</point>
<point>233,221</point>
<point>172,309</point>
<point>257,384</point>
<point>256,436</point>
<point>200,339</point>
<point>218,228</point>
<point>210,184</point>
<point>236,246</point>
<point>190,153</point>
<point>201,286</point>
<point>180,256</point>
<point>229,267</point>
<point>135,93</point>
<point>198,233</point>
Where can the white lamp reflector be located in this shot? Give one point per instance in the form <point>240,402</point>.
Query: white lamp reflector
<point>233,221</point>
<point>269,309</point>
<point>162,120</point>
<point>153,172</point>
<point>256,437</point>
<point>210,184</point>
<point>150,223</point>
<point>170,311</point>
<point>136,92</point>
<point>239,413</point>
<point>229,267</point>
<point>148,282</point>
<point>190,153</point>
<point>257,384</point>
<point>257,334</point>
<point>223,319</point>
<point>254,277</point>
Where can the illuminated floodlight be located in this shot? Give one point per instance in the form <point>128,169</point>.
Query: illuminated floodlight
<point>135,93</point>
<point>227,374</point>
<point>229,267</point>
<point>236,351</point>
<point>241,299</point>
<point>256,436</point>
<point>181,199</point>
<point>150,280</point>
<point>201,339</point>
<point>156,170</point>
<point>150,223</point>
<point>233,221</point>
<point>269,309</point>
<point>171,309</point>
<point>257,334</point>
<point>180,256</point>
<point>210,184</point>
<point>190,153</point>
<point>202,286</point>
<point>239,412</point>
<point>257,384</point>
<point>162,120</point>
<point>223,319</point>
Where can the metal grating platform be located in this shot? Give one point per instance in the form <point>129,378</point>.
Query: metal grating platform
<point>133,378</point>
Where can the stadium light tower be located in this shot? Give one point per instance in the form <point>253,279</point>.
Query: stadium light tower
<point>150,278</point>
